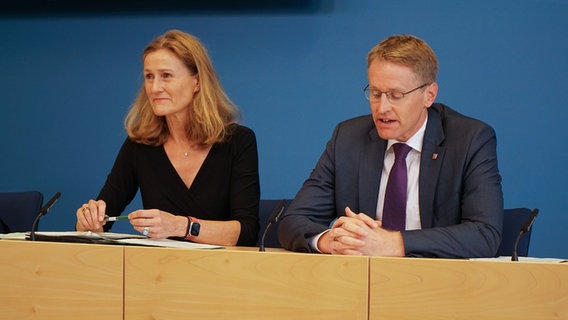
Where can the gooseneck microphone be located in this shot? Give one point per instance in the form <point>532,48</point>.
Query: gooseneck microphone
<point>42,212</point>
<point>272,220</point>
<point>524,229</point>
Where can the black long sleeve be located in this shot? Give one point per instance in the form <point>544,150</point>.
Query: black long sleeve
<point>225,188</point>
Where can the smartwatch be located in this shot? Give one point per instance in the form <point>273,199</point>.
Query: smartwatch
<point>193,227</point>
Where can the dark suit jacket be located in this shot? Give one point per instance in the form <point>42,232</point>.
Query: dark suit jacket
<point>460,197</point>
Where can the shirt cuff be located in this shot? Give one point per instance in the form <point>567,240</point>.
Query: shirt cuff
<point>313,241</point>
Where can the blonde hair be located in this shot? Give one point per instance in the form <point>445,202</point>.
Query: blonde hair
<point>408,51</point>
<point>211,112</point>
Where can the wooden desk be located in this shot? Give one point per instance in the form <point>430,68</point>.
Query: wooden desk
<point>461,289</point>
<point>240,284</point>
<point>82,281</point>
<point>41,280</point>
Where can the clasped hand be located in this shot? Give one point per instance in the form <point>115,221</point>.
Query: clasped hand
<point>359,234</point>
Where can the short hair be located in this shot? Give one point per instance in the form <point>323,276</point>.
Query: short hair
<point>211,113</point>
<point>409,51</point>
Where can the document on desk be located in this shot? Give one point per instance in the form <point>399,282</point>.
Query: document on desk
<point>169,243</point>
<point>81,236</point>
<point>524,259</point>
<point>13,236</point>
<point>116,238</point>
<point>89,234</point>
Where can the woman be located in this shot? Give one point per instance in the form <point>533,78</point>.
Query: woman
<point>193,164</point>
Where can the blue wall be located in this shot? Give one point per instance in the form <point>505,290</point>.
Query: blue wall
<point>295,68</point>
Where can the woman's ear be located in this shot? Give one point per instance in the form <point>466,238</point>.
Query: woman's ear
<point>197,87</point>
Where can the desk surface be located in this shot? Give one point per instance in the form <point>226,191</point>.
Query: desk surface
<point>463,289</point>
<point>243,284</point>
<point>85,281</point>
<point>41,280</point>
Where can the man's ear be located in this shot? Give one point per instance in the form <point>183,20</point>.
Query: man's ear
<point>431,93</point>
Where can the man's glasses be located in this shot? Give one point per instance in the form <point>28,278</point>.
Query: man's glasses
<point>393,97</point>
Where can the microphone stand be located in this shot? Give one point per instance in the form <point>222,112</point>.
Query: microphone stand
<point>43,211</point>
<point>272,220</point>
<point>524,229</point>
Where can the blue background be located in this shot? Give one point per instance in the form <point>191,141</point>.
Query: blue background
<point>69,72</point>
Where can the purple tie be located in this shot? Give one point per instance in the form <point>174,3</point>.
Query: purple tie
<point>394,209</point>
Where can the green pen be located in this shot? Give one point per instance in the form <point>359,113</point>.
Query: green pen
<point>107,218</point>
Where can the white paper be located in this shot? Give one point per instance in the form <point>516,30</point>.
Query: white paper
<point>121,238</point>
<point>89,234</point>
<point>168,243</point>
<point>524,259</point>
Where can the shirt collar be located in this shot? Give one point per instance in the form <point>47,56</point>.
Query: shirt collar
<point>416,141</point>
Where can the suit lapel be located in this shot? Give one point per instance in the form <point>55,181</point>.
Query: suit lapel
<point>370,168</point>
<point>431,161</point>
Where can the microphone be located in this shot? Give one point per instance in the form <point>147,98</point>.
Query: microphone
<point>524,229</point>
<point>42,212</point>
<point>272,220</point>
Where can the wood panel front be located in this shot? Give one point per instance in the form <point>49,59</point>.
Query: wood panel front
<point>165,283</point>
<point>402,288</point>
<point>47,280</point>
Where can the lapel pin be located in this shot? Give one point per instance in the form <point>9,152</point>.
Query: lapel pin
<point>434,156</point>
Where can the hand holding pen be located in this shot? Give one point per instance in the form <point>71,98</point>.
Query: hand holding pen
<point>151,222</point>
<point>91,216</point>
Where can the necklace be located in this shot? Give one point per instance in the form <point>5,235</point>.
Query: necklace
<point>185,154</point>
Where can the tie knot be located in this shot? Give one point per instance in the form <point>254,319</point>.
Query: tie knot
<point>401,150</point>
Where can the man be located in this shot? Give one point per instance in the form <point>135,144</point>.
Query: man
<point>452,203</point>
